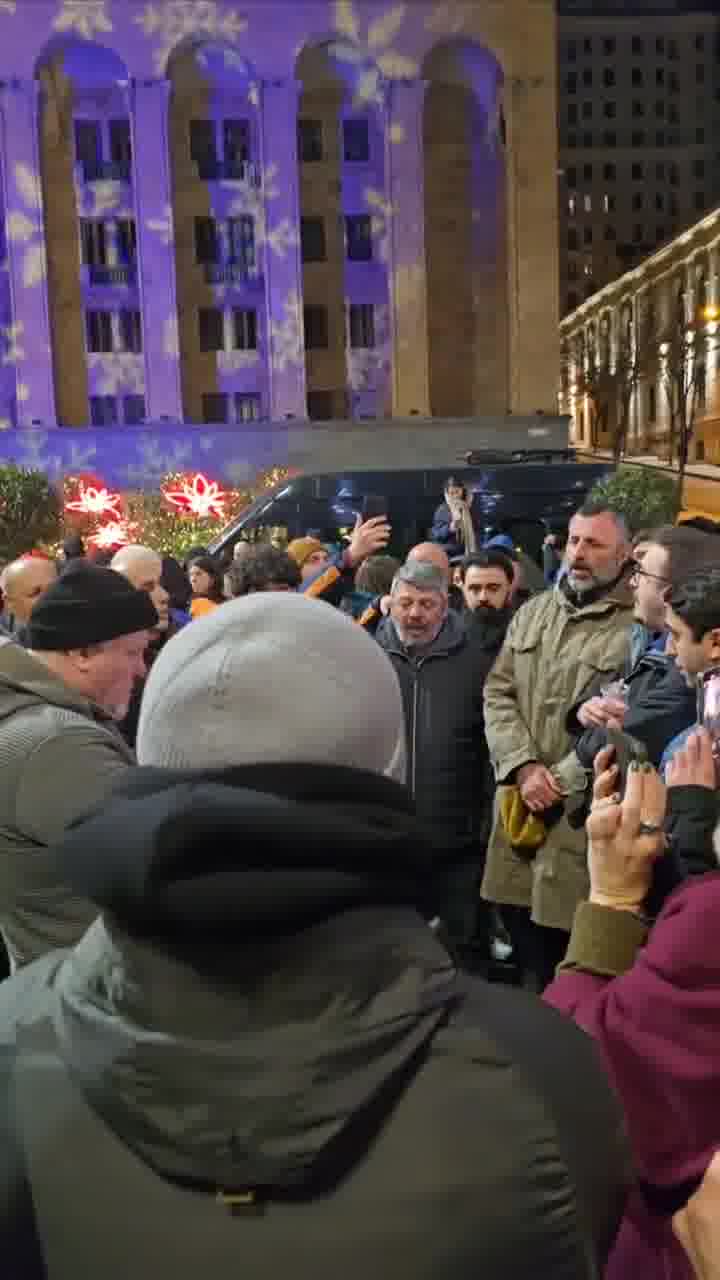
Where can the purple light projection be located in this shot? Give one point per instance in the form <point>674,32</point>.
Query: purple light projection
<point>117,55</point>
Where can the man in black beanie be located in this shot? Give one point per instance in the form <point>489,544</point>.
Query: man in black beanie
<point>59,749</point>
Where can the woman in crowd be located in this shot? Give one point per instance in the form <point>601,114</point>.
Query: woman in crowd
<point>453,526</point>
<point>651,999</point>
<point>206,580</point>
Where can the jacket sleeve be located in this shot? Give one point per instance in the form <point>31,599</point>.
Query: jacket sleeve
<point>66,777</point>
<point>508,738</point>
<point>331,582</point>
<point>440,531</point>
<point>654,1023</point>
<point>655,720</point>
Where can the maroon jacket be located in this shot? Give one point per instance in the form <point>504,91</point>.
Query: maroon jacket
<point>658,1026</point>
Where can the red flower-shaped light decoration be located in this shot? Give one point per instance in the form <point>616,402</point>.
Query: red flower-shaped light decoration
<point>198,496</point>
<point>116,533</point>
<point>92,501</point>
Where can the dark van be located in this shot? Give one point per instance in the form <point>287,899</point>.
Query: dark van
<point>525,499</point>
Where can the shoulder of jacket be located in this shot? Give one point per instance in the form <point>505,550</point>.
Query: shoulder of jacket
<point>30,727</point>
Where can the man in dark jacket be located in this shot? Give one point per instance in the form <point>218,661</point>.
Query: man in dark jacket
<point>262,1052</point>
<point>441,665</point>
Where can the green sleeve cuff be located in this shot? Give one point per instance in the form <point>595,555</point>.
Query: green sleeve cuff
<point>604,941</point>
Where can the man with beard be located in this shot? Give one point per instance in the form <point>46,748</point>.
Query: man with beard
<point>143,568</point>
<point>556,646</point>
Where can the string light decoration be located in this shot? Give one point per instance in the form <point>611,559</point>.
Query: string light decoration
<point>116,533</point>
<point>95,501</point>
<point>197,496</point>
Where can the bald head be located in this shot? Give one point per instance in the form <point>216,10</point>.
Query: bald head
<point>143,568</point>
<point>24,582</point>
<point>430,553</point>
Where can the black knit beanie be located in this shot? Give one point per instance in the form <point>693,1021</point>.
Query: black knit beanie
<point>88,605</point>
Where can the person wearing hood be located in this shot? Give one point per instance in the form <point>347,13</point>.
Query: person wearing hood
<point>441,665</point>
<point>59,748</point>
<point>262,1052</point>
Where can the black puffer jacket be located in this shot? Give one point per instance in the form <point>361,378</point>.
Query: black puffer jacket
<point>262,1012</point>
<point>660,705</point>
<point>448,765</point>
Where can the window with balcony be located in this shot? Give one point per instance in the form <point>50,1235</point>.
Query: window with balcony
<point>130,330</point>
<point>210,329</point>
<point>215,407</point>
<point>312,240</point>
<point>207,243</point>
<point>361,325</point>
<point>236,144</point>
<point>133,410</point>
<point>244,329</point>
<point>120,150</point>
<point>203,150</point>
<point>248,407</point>
<point>315,324</point>
<point>241,242</point>
<point>356,141</point>
<point>93,242</point>
<point>103,411</point>
<point>127,241</point>
<point>358,237</point>
<point>88,148</point>
<point>98,331</point>
<point>310,140</point>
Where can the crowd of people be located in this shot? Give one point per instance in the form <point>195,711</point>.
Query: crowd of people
<point>359,912</point>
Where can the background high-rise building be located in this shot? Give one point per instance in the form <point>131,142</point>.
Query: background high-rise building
<point>639,124</point>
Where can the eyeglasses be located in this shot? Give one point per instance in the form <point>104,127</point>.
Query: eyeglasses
<point>637,571</point>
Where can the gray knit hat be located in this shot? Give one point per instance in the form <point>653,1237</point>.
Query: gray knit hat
<point>273,678</point>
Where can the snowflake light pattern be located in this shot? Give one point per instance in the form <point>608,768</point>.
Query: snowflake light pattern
<point>95,502</point>
<point>174,20</point>
<point>287,336</point>
<point>13,334</point>
<point>25,226</point>
<point>197,496</point>
<point>373,51</point>
<point>85,17</point>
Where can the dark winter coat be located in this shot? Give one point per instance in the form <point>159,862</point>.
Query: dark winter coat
<point>262,1019</point>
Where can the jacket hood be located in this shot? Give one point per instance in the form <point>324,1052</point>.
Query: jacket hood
<point>26,682</point>
<point>452,635</point>
<point>261,978</point>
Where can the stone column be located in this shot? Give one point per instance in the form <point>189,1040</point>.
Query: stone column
<point>282,266</point>
<point>27,259</point>
<point>408,284</point>
<point>155,249</point>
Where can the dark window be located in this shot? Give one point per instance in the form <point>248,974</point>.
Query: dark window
<point>236,140</point>
<point>98,329</point>
<point>121,149</point>
<point>133,410</point>
<point>637,76</point>
<point>660,138</point>
<point>247,406</point>
<point>610,233</point>
<point>609,110</point>
<point>310,140</point>
<point>320,406</point>
<point>356,141</point>
<point>587,139</point>
<point>587,45</point>
<point>312,239</point>
<point>572,238</point>
<point>245,329</point>
<point>660,109</point>
<point>587,77</point>
<point>637,200</point>
<point>638,109</point>
<point>609,172</point>
<point>572,113</point>
<point>700,135</point>
<point>587,110</point>
<point>660,44</point>
<point>637,173</point>
<point>88,148</point>
<point>659,202</point>
<point>93,242</point>
<point>241,240</point>
<point>571,50</point>
<point>127,241</point>
<point>637,45</point>
<point>638,138</point>
<point>700,73</point>
<point>660,76</point>
<point>587,173</point>
<point>571,82</point>
<point>699,42</point>
<point>700,200</point>
<point>358,236</point>
<point>660,170</point>
<point>673,49</point>
<point>572,301</point>
<point>608,46</point>
<point>202,147</point>
<point>609,138</point>
<point>130,330</point>
<point>699,168</point>
<point>103,411</point>
<point>315,323</point>
<point>674,82</point>
<point>673,114</point>
<point>361,324</point>
<point>652,404</point>
<point>608,77</point>
<point>571,176</point>
<point>215,407</point>
<point>210,326</point>
<point>587,235</point>
<point>207,248</point>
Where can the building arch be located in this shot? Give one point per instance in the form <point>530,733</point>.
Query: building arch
<point>466,229</point>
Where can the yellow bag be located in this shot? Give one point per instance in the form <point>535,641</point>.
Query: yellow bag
<point>524,830</point>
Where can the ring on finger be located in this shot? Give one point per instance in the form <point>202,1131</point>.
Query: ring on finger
<point>650,828</point>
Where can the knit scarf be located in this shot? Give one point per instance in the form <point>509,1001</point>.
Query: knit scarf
<point>460,514</point>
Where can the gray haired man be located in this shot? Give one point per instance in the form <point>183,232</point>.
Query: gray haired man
<point>441,666</point>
